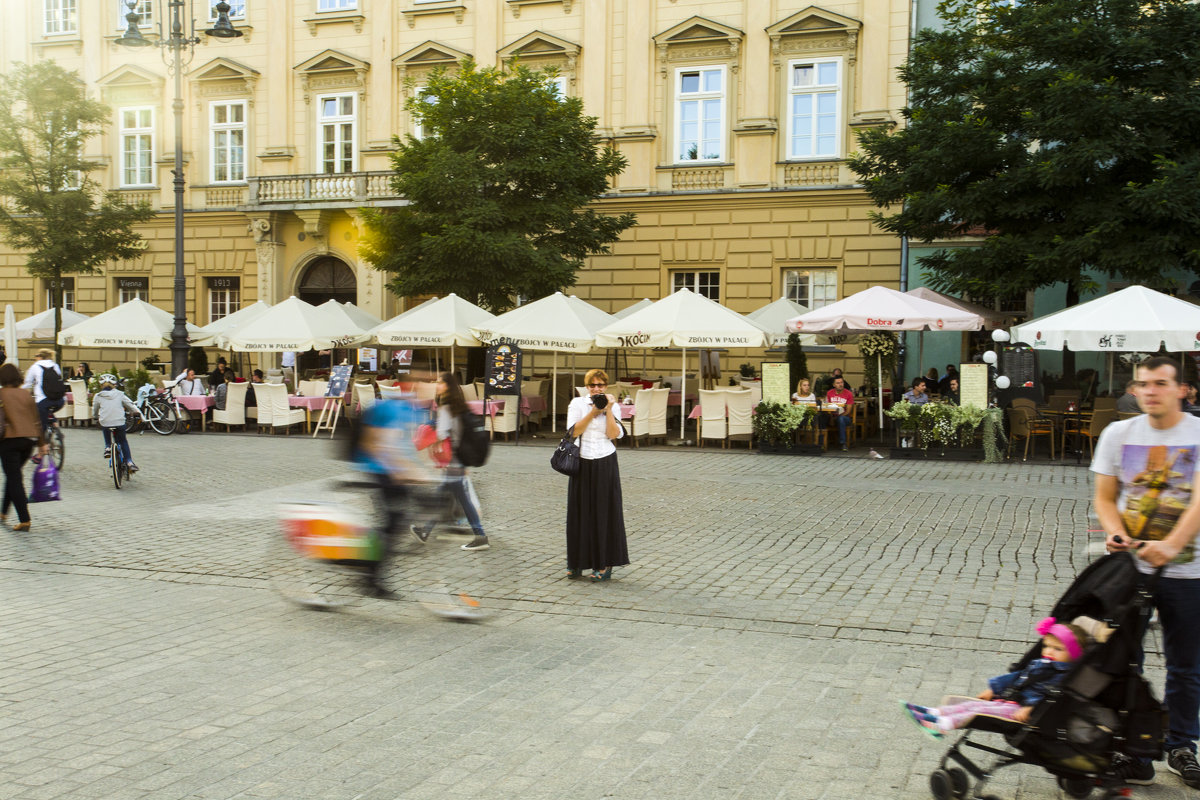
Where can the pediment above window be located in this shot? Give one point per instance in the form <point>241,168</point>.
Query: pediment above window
<point>814,31</point>
<point>426,57</point>
<point>698,38</point>
<point>130,83</point>
<point>331,70</point>
<point>539,45</point>
<point>224,77</point>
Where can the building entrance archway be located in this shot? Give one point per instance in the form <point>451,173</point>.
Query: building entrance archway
<point>327,278</point>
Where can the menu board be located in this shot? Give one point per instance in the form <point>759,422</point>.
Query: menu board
<point>1018,362</point>
<point>776,382</point>
<point>339,379</point>
<point>503,375</point>
<point>973,385</point>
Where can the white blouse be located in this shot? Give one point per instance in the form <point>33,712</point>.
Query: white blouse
<point>594,443</point>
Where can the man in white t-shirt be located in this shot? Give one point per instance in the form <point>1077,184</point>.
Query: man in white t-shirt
<point>1146,468</point>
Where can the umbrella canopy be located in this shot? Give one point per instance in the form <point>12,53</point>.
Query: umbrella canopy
<point>633,309</point>
<point>215,333</point>
<point>882,309</point>
<point>773,318</point>
<point>134,323</point>
<point>441,322</point>
<point>295,325</point>
<point>1135,318</point>
<point>555,322</point>
<point>41,325</point>
<point>683,319</point>
<point>362,319</point>
<point>991,318</point>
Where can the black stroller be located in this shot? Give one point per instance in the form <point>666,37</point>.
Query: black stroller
<point>1101,712</point>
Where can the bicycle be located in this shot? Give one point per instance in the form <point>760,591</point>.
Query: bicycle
<point>157,412</point>
<point>58,445</point>
<point>116,462</point>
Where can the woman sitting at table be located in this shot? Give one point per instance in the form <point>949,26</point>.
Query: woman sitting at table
<point>82,372</point>
<point>187,383</point>
<point>804,392</point>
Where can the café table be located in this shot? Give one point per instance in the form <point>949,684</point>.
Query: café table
<point>200,403</point>
<point>309,403</point>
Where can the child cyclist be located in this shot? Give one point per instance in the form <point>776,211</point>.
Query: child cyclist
<point>1013,695</point>
<point>108,407</point>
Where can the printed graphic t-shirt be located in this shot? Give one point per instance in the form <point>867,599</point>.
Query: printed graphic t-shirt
<point>1157,470</point>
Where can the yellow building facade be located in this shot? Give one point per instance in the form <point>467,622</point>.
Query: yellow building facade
<point>736,117</point>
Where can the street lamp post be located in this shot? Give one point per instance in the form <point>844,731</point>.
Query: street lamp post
<point>174,45</point>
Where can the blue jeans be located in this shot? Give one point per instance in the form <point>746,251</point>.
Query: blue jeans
<point>843,421</point>
<point>46,409</point>
<point>1178,604</point>
<point>118,433</point>
<point>455,485</point>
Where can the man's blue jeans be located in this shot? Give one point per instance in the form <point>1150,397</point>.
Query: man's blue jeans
<point>843,421</point>
<point>1178,603</point>
<point>46,409</point>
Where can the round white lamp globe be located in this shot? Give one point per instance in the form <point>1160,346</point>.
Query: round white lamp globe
<point>1000,335</point>
<point>1002,382</point>
<point>989,357</point>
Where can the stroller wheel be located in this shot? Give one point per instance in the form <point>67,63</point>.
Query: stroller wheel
<point>941,786</point>
<point>959,782</point>
<point>1076,787</point>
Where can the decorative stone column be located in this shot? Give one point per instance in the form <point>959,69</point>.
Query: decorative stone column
<point>266,252</point>
<point>372,295</point>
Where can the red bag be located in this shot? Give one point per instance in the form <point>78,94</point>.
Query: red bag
<point>425,436</point>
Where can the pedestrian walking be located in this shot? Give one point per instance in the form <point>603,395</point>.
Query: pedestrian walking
<point>21,424</point>
<point>1146,472</point>
<point>451,413</point>
<point>48,389</point>
<point>595,514</point>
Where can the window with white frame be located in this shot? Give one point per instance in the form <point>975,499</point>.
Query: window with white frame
<point>61,16</point>
<point>68,293</point>
<point>224,297</point>
<point>812,288</point>
<point>227,135</point>
<point>423,96</point>
<point>237,9</point>
<point>335,133</point>
<point>337,5</point>
<point>700,114</point>
<point>133,288</point>
<point>706,284</point>
<point>137,146</point>
<point>815,108</point>
<point>143,8</point>
<point>559,84</point>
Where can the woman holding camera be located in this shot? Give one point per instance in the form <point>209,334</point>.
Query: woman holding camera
<point>595,517</point>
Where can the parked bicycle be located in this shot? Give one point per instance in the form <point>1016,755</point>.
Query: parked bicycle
<point>157,409</point>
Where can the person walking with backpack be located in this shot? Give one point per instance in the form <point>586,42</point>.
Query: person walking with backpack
<point>455,423</point>
<point>45,380</point>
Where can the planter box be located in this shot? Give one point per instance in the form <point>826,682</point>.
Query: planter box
<point>906,453</point>
<point>789,449</point>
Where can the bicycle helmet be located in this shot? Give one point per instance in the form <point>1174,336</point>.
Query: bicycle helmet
<point>109,378</point>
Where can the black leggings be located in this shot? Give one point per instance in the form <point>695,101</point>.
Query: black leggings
<point>13,455</point>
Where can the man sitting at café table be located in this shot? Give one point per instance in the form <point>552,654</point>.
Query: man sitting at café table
<point>188,384</point>
<point>843,398</point>
<point>951,393</point>
<point>916,395</point>
<point>255,377</point>
<point>1128,403</point>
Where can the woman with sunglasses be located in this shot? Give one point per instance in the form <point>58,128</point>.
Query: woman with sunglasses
<point>595,517</point>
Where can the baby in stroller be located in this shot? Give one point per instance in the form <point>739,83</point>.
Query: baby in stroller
<point>1013,695</point>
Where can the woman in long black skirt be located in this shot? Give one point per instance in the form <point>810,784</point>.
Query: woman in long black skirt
<point>595,518</point>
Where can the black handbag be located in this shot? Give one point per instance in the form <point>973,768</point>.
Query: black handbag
<point>565,458</point>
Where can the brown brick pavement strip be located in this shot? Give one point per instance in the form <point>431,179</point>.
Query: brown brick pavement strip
<point>775,611</point>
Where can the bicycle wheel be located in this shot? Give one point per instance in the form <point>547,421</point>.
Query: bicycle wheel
<point>58,447</point>
<point>114,461</point>
<point>183,420</point>
<point>161,418</point>
<point>132,423</point>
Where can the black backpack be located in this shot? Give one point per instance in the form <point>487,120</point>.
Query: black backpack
<point>52,384</point>
<point>474,445</point>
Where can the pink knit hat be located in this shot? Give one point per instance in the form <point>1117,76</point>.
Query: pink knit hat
<point>1052,627</point>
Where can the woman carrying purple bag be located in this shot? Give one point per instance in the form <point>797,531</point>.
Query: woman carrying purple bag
<point>22,430</point>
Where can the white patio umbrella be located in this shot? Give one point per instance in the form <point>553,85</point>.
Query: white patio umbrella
<point>684,319</point>
<point>882,309</point>
<point>295,325</point>
<point>134,323</point>
<point>214,334</point>
<point>555,323</point>
<point>1132,319</point>
<point>41,325</point>
<point>441,322</point>
<point>992,319</point>
<point>773,318</point>
<point>363,319</point>
<point>645,302</point>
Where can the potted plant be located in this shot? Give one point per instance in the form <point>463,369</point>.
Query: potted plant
<point>906,416</point>
<point>775,427</point>
<point>747,370</point>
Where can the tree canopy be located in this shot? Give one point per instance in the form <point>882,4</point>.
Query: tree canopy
<point>1063,131</point>
<point>498,190</point>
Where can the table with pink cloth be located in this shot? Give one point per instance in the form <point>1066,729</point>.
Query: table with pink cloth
<point>200,403</point>
<point>309,403</point>
<point>673,398</point>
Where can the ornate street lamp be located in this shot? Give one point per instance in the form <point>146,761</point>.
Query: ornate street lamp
<point>174,46</point>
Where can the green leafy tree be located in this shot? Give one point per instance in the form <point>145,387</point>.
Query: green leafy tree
<point>498,190</point>
<point>1061,131</point>
<point>52,209</point>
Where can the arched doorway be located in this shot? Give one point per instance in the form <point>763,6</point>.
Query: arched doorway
<point>327,278</point>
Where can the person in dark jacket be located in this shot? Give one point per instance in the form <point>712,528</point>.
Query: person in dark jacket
<point>22,433</point>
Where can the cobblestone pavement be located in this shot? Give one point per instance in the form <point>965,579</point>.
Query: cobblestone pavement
<point>776,611</point>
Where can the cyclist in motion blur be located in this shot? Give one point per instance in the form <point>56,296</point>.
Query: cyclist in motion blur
<point>109,407</point>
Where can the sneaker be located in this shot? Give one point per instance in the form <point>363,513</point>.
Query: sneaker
<point>923,721</point>
<point>1182,761</point>
<point>132,467</point>
<point>844,448</point>
<point>478,543</point>
<point>422,536</point>
<point>107,452</point>
<point>1132,771</point>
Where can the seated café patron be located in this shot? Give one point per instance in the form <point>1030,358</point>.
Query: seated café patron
<point>951,392</point>
<point>187,383</point>
<point>916,395</point>
<point>804,392</point>
<point>843,398</point>
<point>255,377</point>
<point>1128,402</point>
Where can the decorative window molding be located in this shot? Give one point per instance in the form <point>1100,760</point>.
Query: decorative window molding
<point>814,32</point>
<point>517,5</point>
<point>60,17</point>
<point>223,77</point>
<point>700,104</point>
<point>337,133</point>
<point>330,71</point>
<point>698,40</point>
<point>538,50</point>
<point>815,109</point>
<point>129,85</point>
<point>424,59</point>
<point>355,19</point>
<point>227,141</point>
<point>434,8</point>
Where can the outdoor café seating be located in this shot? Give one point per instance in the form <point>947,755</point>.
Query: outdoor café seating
<point>1025,426</point>
<point>234,412</point>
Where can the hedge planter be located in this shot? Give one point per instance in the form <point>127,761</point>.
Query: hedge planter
<point>789,449</point>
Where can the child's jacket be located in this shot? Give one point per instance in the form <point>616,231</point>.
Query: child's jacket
<point>1029,686</point>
